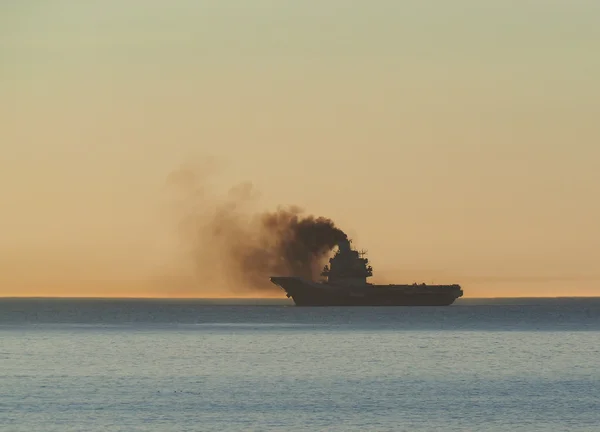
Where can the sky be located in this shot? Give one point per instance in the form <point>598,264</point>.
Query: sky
<point>456,141</point>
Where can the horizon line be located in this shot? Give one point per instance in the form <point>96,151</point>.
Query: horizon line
<point>272,298</point>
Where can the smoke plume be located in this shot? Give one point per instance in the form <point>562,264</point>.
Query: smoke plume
<point>230,246</point>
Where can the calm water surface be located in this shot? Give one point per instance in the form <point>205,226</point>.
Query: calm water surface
<point>143,365</point>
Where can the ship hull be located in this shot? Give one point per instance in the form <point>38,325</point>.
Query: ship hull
<point>307,293</point>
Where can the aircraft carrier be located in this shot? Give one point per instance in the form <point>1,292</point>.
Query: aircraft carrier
<point>346,285</point>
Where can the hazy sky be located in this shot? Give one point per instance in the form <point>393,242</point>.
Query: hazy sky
<point>456,141</point>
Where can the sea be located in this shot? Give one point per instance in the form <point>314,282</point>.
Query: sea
<point>266,365</point>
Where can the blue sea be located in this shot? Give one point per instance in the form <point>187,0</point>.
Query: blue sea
<point>193,365</point>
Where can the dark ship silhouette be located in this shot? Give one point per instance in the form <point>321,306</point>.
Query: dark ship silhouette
<point>347,285</point>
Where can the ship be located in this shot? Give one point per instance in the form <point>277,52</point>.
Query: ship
<point>345,284</point>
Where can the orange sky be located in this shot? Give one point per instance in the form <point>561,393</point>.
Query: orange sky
<point>456,142</point>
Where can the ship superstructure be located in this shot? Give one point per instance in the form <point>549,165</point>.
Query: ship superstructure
<point>348,266</point>
<point>346,284</point>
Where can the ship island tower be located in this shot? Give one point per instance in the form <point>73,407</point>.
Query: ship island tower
<point>348,266</point>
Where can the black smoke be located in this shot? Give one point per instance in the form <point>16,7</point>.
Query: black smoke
<point>230,245</point>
